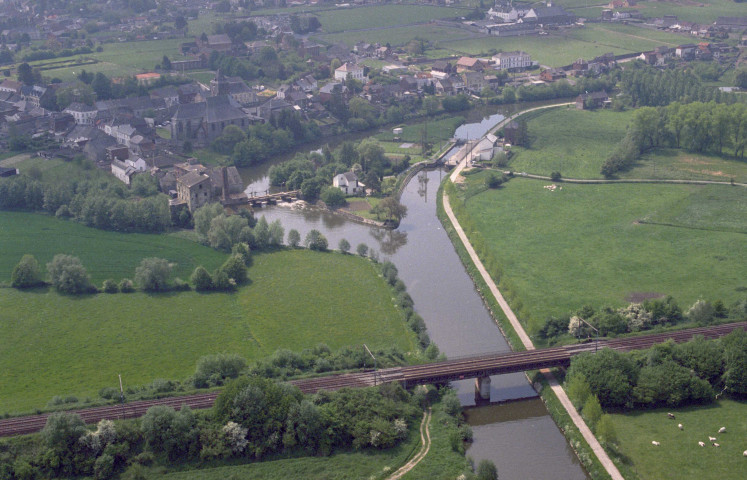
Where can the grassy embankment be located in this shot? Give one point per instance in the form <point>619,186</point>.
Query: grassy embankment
<point>679,457</point>
<point>599,244</point>
<point>61,345</point>
<point>577,142</point>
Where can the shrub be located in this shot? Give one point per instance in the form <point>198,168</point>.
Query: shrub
<point>153,274</point>
<point>126,286</point>
<point>592,411</point>
<point>26,274</point>
<point>452,405</point>
<point>493,180</point>
<point>294,238</point>
<point>389,272</point>
<point>243,250</point>
<point>222,282</point>
<point>235,268</point>
<point>63,430</point>
<point>316,241</point>
<point>180,285</point>
<point>555,176</point>
<point>486,470</point>
<point>68,275</point>
<point>217,368</point>
<point>362,249</point>
<point>333,197</point>
<point>201,279</point>
<point>344,246</point>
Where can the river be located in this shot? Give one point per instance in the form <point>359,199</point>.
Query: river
<point>515,430</point>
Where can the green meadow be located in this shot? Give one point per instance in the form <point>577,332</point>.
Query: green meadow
<point>104,254</point>
<point>599,244</point>
<point>65,345</point>
<point>379,16</point>
<point>679,457</point>
<point>573,142</point>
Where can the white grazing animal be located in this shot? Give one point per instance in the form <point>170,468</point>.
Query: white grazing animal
<point>655,443</point>
<point>744,454</point>
<point>680,426</point>
<point>670,415</point>
<point>722,430</point>
<point>711,439</point>
<point>701,444</point>
<point>716,445</point>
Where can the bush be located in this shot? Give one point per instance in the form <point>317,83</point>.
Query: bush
<point>153,274</point>
<point>333,197</point>
<point>63,430</point>
<point>316,241</point>
<point>555,176</point>
<point>344,246</point>
<point>126,286</point>
<point>294,238</point>
<point>452,405</point>
<point>389,272</point>
<point>201,279</point>
<point>68,275</point>
<point>215,369</point>
<point>362,249</point>
<point>26,274</point>
<point>486,470</point>
<point>235,268</point>
<point>493,180</point>
<point>109,286</point>
<point>180,285</point>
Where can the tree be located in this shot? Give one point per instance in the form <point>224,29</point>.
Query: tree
<point>486,470</point>
<point>235,269</point>
<point>225,231</point>
<point>204,215</point>
<point>68,275</point>
<point>431,104</point>
<point>393,209</point>
<point>493,180</point>
<point>605,430</point>
<point>102,86</point>
<point>344,246</point>
<point>62,431</point>
<point>578,390</point>
<point>201,279</point>
<point>294,238</point>
<point>25,74</point>
<point>180,22</point>
<point>333,197</point>
<point>701,312</point>
<point>592,411</point>
<point>275,233</point>
<point>555,176</point>
<point>26,274</point>
<point>153,274</point>
<point>315,241</point>
<point>362,249</point>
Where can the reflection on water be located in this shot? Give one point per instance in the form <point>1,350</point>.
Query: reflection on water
<point>520,437</point>
<point>471,131</point>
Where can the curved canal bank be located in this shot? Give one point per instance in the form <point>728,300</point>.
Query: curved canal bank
<point>517,434</point>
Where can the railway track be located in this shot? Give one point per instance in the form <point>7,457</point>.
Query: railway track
<point>440,372</point>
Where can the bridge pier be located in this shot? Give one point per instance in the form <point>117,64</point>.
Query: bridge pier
<point>482,387</point>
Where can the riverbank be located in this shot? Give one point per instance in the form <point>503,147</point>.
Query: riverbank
<point>591,442</point>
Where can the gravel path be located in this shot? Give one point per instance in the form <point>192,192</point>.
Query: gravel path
<point>425,440</point>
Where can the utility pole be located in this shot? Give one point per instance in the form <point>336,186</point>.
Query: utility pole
<point>596,341</point>
<point>374,359</point>
<point>121,394</point>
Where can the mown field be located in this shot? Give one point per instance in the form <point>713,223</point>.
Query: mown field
<point>398,35</point>
<point>680,164</point>
<point>104,254</point>
<point>573,142</point>
<point>590,244</point>
<point>62,345</point>
<point>379,16</point>
<point>679,457</point>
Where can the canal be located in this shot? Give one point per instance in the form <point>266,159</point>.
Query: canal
<point>514,430</point>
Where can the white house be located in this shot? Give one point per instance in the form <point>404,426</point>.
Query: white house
<point>124,170</point>
<point>355,72</point>
<point>512,60</point>
<point>347,182</point>
<point>485,150</point>
<point>83,114</point>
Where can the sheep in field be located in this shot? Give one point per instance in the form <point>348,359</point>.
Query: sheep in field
<point>670,416</point>
<point>680,426</point>
<point>744,454</point>
<point>716,445</point>
<point>711,439</point>
<point>701,444</point>
<point>655,443</point>
<point>722,430</point>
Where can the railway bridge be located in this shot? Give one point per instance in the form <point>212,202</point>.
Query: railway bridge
<point>480,367</point>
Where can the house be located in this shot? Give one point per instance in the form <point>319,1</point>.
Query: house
<point>82,113</point>
<point>195,189</point>
<point>169,95</point>
<point>145,79</point>
<point>552,75</point>
<point>354,71</point>
<point>442,66</point>
<point>512,60</point>
<point>592,100</point>
<point>205,121</point>
<point>307,84</point>
<point>549,16</point>
<point>686,51</point>
<point>218,43</point>
<point>510,29</point>
<point>125,170</point>
<point>348,183</point>
<point>9,85</point>
<point>465,64</point>
<point>486,148</point>
<point>474,81</point>
<point>731,23</point>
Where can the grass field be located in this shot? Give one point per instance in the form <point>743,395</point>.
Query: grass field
<point>679,457</point>
<point>340,20</point>
<point>701,11</point>
<point>60,345</point>
<point>120,59</point>
<point>397,35</point>
<point>104,254</point>
<point>55,170</point>
<point>586,244</point>
<point>565,46</point>
<point>573,142</point>
<point>438,130</point>
<point>679,164</point>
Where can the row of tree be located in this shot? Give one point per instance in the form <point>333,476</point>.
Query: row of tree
<point>104,205</point>
<point>667,374</point>
<point>696,126</point>
<point>253,417</point>
<point>636,317</point>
